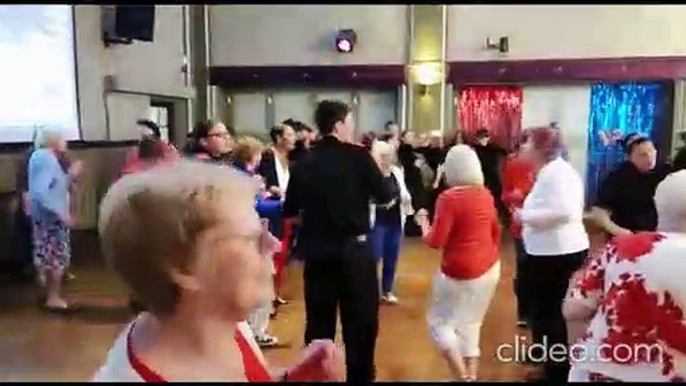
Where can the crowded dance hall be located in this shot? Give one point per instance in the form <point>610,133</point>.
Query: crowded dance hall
<point>343,193</point>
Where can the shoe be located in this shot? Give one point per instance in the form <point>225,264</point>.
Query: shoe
<point>280,301</point>
<point>266,341</point>
<point>389,298</point>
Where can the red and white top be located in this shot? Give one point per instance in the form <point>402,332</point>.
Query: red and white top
<point>636,285</point>
<point>123,365</point>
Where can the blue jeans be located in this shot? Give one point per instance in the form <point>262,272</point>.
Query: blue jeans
<point>386,247</point>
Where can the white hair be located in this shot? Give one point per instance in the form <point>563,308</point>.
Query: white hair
<point>382,148</point>
<point>462,167</point>
<point>44,136</point>
<point>670,202</point>
<point>435,134</point>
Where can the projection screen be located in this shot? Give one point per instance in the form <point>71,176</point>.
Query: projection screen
<point>37,71</point>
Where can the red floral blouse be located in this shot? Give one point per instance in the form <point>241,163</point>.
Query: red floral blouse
<point>630,286</point>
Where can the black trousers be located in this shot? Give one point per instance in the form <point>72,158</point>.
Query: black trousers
<point>22,247</point>
<point>520,284</point>
<point>547,279</point>
<point>347,279</point>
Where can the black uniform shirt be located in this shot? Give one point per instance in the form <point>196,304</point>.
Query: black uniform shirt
<point>331,188</point>
<point>628,194</point>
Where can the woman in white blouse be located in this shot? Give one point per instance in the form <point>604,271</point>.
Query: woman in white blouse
<point>388,220</point>
<point>555,241</point>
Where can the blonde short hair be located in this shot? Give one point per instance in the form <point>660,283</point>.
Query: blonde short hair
<point>150,221</point>
<point>462,167</point>
<point>247,148</point>
<point>381,148</point>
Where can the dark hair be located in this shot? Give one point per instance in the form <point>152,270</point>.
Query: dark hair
<point>385,137</point>
<point>389,124</point>
<point>150,148</point>
<point>277,131</point>
<point>630,141</point>
<point>150,125</point>
<point>329,113</point>
<point>202,129</point>
<point>481,133</point>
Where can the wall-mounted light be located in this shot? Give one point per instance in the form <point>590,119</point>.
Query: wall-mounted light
<point>345,41</point>
<point>426,74</point>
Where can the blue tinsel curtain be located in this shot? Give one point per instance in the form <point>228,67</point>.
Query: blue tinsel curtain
<point>617,110</point>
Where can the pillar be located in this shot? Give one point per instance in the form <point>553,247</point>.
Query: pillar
<point>679,120</point>
<point>427,97</point>
<point>199,62</point>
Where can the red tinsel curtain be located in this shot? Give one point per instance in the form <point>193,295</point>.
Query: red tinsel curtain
<point>497,109</point>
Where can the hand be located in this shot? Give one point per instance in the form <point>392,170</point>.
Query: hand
<point>275,191</point>
<point>323,360</point>
<point>75,168</point>
<point>421,217</point>
<point>517,194</point>
<point>67,220</point>
<point>389,204</point>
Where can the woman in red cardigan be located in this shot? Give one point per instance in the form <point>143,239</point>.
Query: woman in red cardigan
<point>467,229</point>
<point>518,179</point>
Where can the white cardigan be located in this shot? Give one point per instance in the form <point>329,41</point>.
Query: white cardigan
<point>406,208</point>
<point>556,199</point>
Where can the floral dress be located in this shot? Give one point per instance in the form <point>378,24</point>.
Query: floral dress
<point>636,285</point>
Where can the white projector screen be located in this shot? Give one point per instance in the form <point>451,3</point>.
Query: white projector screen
<point>37,71</point>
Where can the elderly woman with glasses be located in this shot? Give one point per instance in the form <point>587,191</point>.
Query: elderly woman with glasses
<point>187,240</point>
<point>49,209</point>
<point>467,229</point>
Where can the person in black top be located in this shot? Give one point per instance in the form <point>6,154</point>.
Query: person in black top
<point>625,198</point>
<point>491,157</point>
<point>330,191</point>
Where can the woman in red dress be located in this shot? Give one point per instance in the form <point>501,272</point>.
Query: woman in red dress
<point>187,240</point>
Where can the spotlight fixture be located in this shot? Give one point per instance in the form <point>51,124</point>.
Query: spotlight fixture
<point>345,41</point>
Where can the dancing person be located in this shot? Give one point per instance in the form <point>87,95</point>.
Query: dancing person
<point>305,138</point>
<point>330,191</point>
<point>212,142</point>
<point>388,220</point>
<point>392,130</point>
<point>188,242</point>
<point>625,198</point>
<point>518,179</point>
<point>247,156</point>
<point>633,294</point>
<point>50,211</point>
<point>555,241</point>
<point>491,157</point>
<point>275,168</point>
<point>467,230</point>
<point>407,161</point>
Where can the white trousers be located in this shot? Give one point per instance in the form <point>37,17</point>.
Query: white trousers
<point>259,317</point>
<point>457,309</point>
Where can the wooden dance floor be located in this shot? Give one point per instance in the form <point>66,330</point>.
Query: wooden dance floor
<point>35,346</point>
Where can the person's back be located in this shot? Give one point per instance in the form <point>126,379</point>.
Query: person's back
<point>338,190</point>
<point>468,231</point>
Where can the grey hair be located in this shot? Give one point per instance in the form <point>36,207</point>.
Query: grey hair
<point>462,167</point>
<point>44,136</point>
<point>670,202</point>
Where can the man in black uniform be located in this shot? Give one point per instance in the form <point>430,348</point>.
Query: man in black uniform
<point>625,199</point>
<point>330,190</point>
